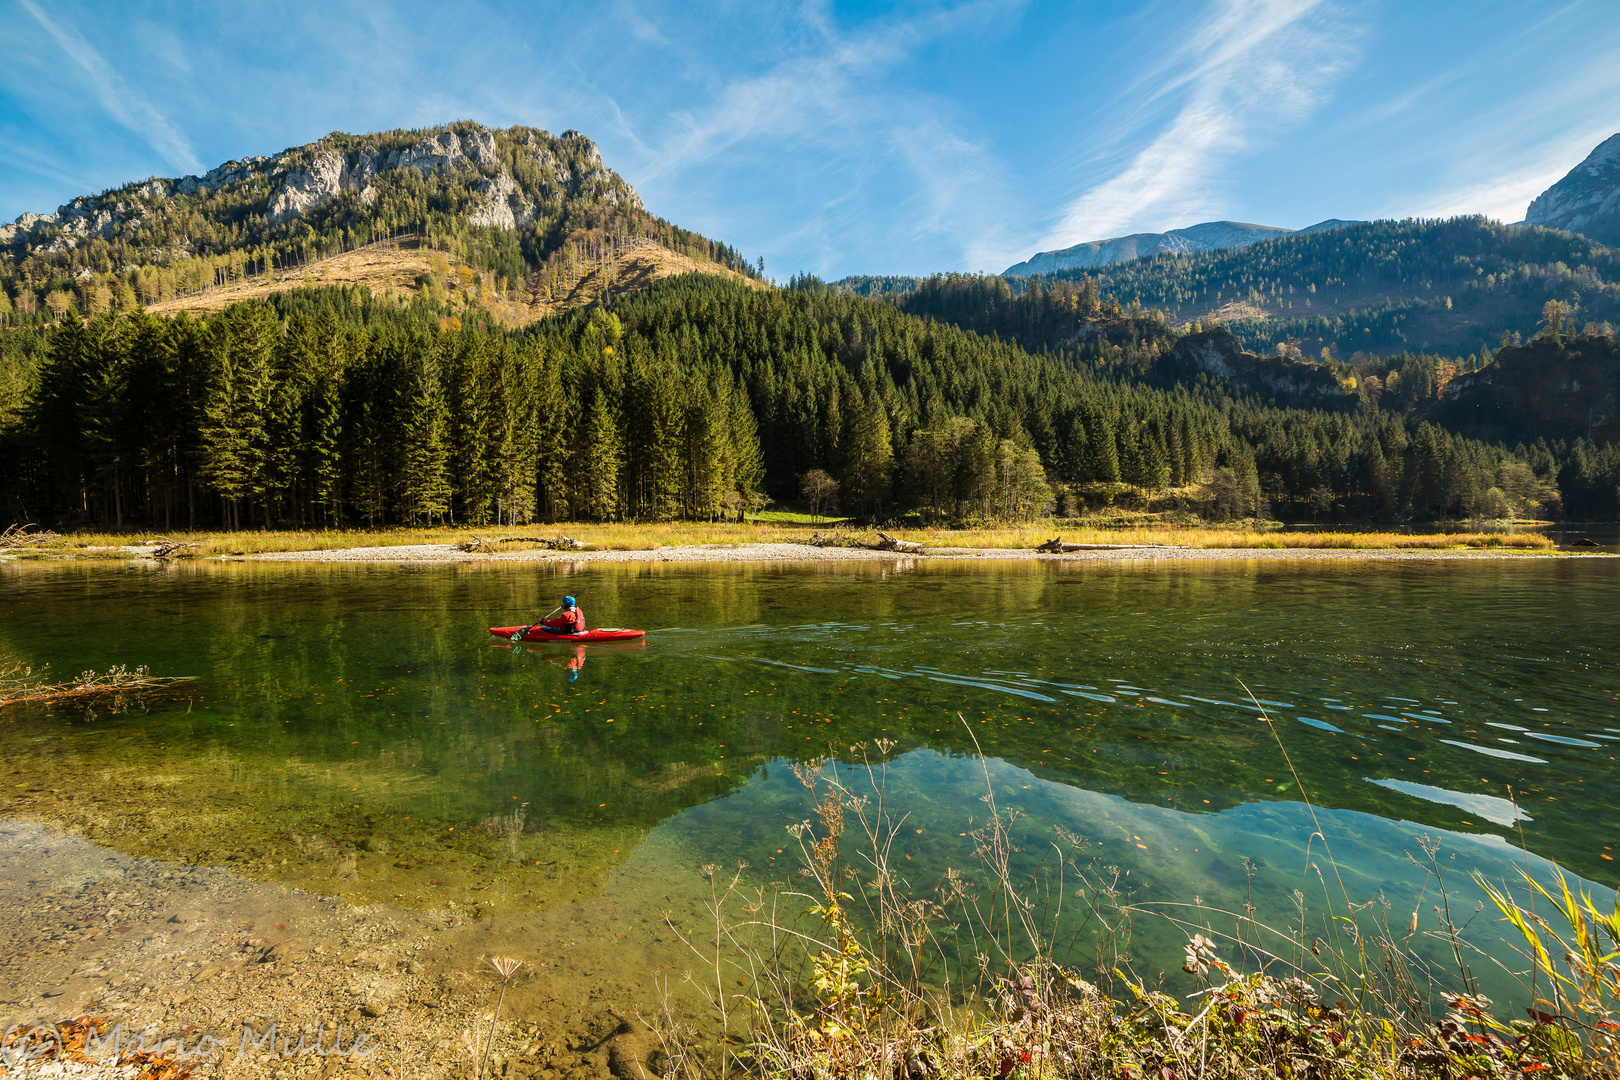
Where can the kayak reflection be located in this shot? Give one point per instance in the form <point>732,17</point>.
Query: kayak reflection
<point>570,656</point>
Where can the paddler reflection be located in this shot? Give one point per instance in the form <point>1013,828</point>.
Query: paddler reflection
<point>570,660</point>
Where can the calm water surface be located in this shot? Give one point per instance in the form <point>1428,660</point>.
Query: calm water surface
<point>352,729</point>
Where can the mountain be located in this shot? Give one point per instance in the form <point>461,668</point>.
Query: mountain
<point>1587,199</point>
<point>1382,287</point>
<point>530,214</point>
<point>1206,237</point>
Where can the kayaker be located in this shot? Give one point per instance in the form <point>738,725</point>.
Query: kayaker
<point>570,620</point>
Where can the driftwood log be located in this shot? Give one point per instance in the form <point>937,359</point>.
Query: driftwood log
<point>15,536</point>
<point>886,542</point>
<point>1056,546</point>
<point>555,543</point>
<point>167,547</point>
<point>821,539</point>
<point>120,685</point>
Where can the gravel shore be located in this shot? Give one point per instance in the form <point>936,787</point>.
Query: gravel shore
<point>174,953</point>
<point>780,552</point>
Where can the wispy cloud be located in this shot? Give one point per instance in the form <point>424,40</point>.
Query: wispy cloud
<point>829,100</point>
<point>124,104</point>
<point>1506,195</point>
<point>1251,68</point>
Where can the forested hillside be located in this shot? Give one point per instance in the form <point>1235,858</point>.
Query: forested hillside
<point>1455,287</point>
<point>693,398</point>
<point>527,212</point>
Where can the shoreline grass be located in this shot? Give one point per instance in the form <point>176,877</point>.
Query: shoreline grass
<point>859,971</point>
<point>648,536</point>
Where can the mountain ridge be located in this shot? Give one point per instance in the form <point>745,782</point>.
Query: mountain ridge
<point>1206,236</point>
<point>1587,199</point>
<point>307,177</point>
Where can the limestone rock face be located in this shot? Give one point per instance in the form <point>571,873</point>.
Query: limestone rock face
<point>505,206</point>
<point>1587,199</point>
<point>302,180</point>
<point>305,189</point>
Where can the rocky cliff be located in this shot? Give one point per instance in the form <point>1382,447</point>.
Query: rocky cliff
<point>503,177</point>
<point>1218,354</point>
<point>1587,199</point>
<point>1208,236</point>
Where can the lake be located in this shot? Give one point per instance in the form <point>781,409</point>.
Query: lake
<point>353,729</point>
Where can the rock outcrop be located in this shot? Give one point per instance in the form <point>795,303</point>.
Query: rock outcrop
<point>1553,387</point>
<point>77,221</point>
<point>302,180</point>
<point>1208,236</point>
<point>1217,353</point>
<point>1587,199</point>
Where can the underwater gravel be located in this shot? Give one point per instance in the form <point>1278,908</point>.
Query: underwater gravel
<point>176,952</point>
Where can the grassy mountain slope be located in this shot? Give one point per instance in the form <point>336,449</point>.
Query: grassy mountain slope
<point>406,269</point>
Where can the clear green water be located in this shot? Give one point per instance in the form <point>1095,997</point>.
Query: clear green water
<point>353,728</point>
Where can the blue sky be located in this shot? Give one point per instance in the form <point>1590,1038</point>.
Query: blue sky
<point>858,138</point>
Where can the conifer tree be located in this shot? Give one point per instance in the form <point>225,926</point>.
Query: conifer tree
<point>598,461</point>
<point>869,461</point>
<point>704,430</point>
<point>234,436</point>
<point>424,476</point>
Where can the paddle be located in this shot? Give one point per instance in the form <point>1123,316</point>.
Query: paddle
<point>524,632</point>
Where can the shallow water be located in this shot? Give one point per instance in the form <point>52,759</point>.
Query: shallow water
<point>354,730</point>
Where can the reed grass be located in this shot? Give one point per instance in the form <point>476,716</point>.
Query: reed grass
<point>646,536</point>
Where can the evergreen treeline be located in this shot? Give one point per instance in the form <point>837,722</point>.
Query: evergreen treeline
<point>694,398</point>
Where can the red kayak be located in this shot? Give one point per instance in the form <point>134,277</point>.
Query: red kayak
<point>533,634</point>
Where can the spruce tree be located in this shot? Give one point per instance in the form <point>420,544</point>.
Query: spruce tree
<point>424,476</point>
<point>867,485</point>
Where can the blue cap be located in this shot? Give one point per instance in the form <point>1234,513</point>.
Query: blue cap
<point>568,601</point>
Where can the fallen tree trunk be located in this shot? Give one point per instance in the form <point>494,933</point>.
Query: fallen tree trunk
<point>892,543</point>
<point>19,685</point>
<point>1056,546</point>
<point>14,536</point>
<point>555,543</point>
<point>167,547</point>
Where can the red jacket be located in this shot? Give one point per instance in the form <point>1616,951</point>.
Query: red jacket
<point>571,621</point>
